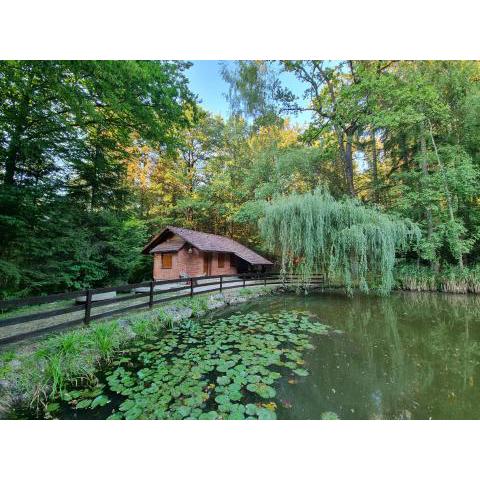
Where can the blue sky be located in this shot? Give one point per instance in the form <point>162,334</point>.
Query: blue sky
<point>206,81</point>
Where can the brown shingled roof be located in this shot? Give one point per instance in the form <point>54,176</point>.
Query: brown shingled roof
<point>168,246</point>
<point>208,242</point>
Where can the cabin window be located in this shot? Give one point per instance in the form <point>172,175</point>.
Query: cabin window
<point>166,260</point>
<point>221,260</point>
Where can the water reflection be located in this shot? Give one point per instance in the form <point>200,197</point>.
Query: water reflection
<point>411,355</point>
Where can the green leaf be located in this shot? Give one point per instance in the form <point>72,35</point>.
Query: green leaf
<point>251,409</point>
<point>53,407</point>
<point>212,415</point>
<point>85,403</point>
<point>301,372</point>
<point>266,414</point>
<point>329,416</point>
<point>223,380</point>
<point>100,401</point>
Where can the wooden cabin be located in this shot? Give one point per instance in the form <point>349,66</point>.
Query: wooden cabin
<point>180,252</point>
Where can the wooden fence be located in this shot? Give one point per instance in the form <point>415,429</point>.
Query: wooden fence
<point>87,305</point>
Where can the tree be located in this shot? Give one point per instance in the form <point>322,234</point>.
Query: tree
<point>315,233</point>
<point>66,133</point>
<point>254,90</point>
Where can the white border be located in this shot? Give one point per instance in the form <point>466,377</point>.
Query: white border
<point>247,29</point>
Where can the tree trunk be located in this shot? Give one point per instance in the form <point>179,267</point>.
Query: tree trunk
<point>423,149</point>
<point>349,165</point>
<point>374,167</point>
<point>96,161</point>
<point>445,186</point>
<point>13,156</point>
<point>14,152</point>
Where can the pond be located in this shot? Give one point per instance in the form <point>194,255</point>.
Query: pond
<point>408,356</point>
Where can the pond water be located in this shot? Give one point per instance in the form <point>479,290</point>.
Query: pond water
<point>408,356</point>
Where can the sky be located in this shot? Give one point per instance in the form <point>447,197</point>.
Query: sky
<point>207,82</point>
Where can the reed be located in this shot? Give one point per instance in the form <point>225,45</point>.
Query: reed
<point>450,279</point>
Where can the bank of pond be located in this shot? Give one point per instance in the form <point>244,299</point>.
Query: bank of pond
<point>287,356</point>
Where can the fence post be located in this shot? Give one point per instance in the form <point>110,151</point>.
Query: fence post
<point>88,307</point>
<point>221,282</point>
<point>150,299</point>
<point>265,278</point>
<point>243,280</point>
<point>191,286</point>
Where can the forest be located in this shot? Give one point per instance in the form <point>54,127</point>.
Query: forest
<point>97,156</point>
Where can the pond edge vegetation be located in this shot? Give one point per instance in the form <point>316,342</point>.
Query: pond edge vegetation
<point>32,375</point>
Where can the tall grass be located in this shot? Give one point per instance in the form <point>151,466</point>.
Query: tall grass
<point>449,279</point>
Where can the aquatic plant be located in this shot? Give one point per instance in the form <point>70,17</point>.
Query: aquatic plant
<point>73,357</point>
<point>314,233</point>
<point>415,278</point>
<point>226,369</point>
<point>448,279</point>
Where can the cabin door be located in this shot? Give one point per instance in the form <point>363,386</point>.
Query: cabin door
<point>207,263</point>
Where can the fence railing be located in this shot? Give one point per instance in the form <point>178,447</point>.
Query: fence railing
<point>94,304</point>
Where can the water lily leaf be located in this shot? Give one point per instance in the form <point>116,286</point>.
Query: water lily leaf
<point>236,416</point>
<point>100,401</point>
<point>184,411</point>
<point>212,415</point>
<point>133,413</point>
<point>223,380</point>
<point>301,372</point>
<point>127,405</point>
<point>266,414</point>
<point>251,409</point>
<point>222,399</point>
<point>265,391</point>
<point>115,416</point>
<point>236,395</point>
<point>329,416</point>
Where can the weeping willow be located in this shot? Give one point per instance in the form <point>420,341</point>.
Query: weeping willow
<point>314,233</point>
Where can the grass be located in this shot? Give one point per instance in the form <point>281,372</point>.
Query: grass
<point>449,279</point>
<point>73,357</point>
<point>29,309</point>
<point>5,359</point>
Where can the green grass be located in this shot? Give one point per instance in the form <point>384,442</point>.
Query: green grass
<point>5,359</point>
<point>30,309</point>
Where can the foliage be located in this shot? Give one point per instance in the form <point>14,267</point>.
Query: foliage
<point>226,370</point>
<point>65,131</point>
<point>315,233</point>
<point>97,156</point>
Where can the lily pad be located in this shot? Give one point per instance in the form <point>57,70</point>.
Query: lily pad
<point>266,414</point>
<point>212,415</point>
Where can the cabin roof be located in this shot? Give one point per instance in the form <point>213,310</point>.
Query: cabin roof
<point>206,242</point>
<point>168,246</point>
